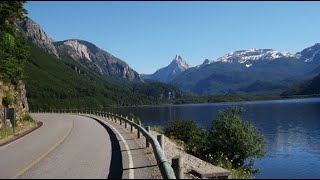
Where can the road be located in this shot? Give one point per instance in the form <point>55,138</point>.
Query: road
<point>66,146</point>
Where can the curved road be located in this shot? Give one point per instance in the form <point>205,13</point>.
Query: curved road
<point>66,146</point>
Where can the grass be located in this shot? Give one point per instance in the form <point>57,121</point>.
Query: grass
<point>24,124</point>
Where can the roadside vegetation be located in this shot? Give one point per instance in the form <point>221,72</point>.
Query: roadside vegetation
<point>27,122</point>
<point>230,142</point>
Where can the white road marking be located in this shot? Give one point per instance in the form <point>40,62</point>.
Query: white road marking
<point>131,171</point>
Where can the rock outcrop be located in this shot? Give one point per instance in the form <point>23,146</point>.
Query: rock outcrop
<point>20,102</point>
<point>32,31</point>
<point>97,59</point>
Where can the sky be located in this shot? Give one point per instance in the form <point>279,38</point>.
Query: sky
<point>148,35</point>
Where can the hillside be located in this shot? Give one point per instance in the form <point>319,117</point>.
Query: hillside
<point>310,87</point>
<point>55,83</point>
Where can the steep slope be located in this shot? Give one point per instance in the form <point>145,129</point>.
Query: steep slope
<point>86,53</point>
<point>97,59</point>
<point>310,54</point>
<point>33,32</point>
<point>174,69</point>
<point>52,83</point>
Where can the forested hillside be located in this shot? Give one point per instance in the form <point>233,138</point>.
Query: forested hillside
<point>53,83</point>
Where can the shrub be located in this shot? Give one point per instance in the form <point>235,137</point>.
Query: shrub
<point>7,100</point>
<point>182,130</point>
<point>236,139</point>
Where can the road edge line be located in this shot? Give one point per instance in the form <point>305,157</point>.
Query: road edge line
<point>131,170</point>
<point>34,162</point>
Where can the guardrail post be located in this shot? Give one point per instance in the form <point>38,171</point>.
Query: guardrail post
<point>177,166</point>
<point>116,119</point>
<point>131,127</point>
<point>125,123</point>
<point>160,139</point>
<point>147,142</point>
<point>138,131</point>
<point>120,120</point>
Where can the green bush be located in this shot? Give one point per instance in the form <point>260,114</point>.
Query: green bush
<point>184,130</point>
<point>237,139</point>
<point>7,100</point>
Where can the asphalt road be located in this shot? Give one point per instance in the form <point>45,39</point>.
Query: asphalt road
<point>66,146</point>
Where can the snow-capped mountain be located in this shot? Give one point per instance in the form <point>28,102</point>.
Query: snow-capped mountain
<point>245,56</point>
<point>310,54</point>
<point>166,74</point>
<point>239,72</point>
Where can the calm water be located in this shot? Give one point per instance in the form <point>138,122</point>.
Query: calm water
<point>292,129</point>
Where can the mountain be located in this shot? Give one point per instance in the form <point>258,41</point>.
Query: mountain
<point>166,74</point>
<point>251,55</point>
<point>85,53</point>
<point>97,59</point>
<point>33,32</point>
<point>253,71</point>
<point>81,75</point>
<point>311,54</point>
<point>308,87</point>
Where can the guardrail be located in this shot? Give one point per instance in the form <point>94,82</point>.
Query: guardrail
<point>165,167</point>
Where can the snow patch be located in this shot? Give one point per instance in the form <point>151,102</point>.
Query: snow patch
<point>253,55</point>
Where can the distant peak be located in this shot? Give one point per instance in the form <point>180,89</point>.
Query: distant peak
<point>206,61</point>
<point>178,61</point>
<point>178,58</point>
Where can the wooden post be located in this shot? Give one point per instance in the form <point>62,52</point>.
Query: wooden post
<point>120,119</point>
<point>147,142</point>
<point>125,123</point>
<point>177,166</point>
<point>160,139</point>
<point>131,127</point>
<point>5,118</point>
<point>138,131</point>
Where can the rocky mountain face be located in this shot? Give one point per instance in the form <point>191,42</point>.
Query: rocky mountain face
<point>20,103</point>
<point>32,31</point>
<point>86,53</point>
<point>166,74</point>
<point>97,59</point>
<point>310,54</point>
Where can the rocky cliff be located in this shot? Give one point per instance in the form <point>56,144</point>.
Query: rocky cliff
<point>18,97</point>
<point>32,31</point>
<point>97,59</point>
<point>89,55</point>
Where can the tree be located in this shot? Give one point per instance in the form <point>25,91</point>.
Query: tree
<point>13,49</point>
<point>236,139</point>
<point>10,11</point>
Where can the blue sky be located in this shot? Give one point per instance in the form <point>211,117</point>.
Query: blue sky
<point>147,35</point>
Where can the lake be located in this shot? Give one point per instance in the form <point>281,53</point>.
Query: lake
<point>291,128</point>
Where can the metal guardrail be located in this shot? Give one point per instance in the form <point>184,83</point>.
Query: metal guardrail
<point>165,167</point>
<point>163,164</point>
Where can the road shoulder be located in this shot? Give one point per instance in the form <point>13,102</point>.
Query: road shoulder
<point>20,134</point>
